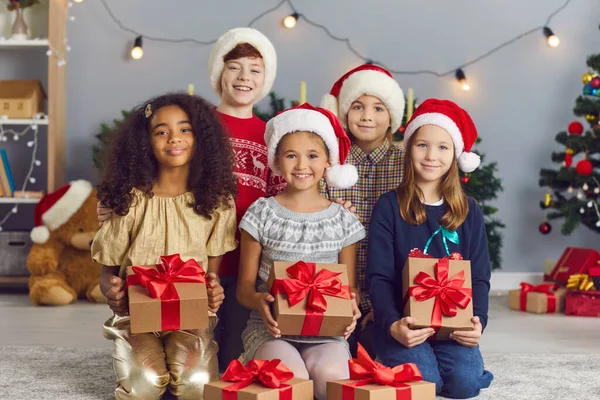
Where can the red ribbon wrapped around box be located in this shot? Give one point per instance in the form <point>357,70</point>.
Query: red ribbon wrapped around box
<point>547,288</point>
<point>448,293</point>
<point>159,284</point>
<point>271,374</point>
<point>365,371</point>
<point>305,282</point>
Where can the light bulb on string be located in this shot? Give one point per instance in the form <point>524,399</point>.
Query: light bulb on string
<point>78,1</point>
<point>582,210</point>
<point>598,223</point>
<point>590,204</point>
<point>597,190</point>
<point>37,163</point>
<point>579,195</point>
<point>291,20</point>
<point>137,52</point>
<point>551,38</point>
<point>585,187</point>
<point>49,53</point>
<point>32,179</point>
<point>462,79</point>
<point>72,18</point>
<point>34,127</point>
<point>14,210</point>
<point>68,48</point>
<point>16,137</point>
<point>30,143</point>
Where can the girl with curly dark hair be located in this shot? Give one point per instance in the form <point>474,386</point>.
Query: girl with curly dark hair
<point>169,178</point>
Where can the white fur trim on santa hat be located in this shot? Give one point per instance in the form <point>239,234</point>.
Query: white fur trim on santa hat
<point>227,42</point>
<point>40,234</point>
<point>67,205</point>
<point>329,102</point>
<point>297,121</point>
<point>372,83</point>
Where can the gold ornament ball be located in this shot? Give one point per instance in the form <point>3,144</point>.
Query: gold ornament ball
<point>547,199</point>
<point>590,117</point>
<point>587,77</point>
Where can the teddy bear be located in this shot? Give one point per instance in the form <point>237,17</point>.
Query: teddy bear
<point>59,261</point>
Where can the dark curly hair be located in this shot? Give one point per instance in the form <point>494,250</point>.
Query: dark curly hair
<point>130,162</point>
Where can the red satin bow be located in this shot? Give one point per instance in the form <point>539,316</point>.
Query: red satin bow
<point>305,282</point>
<point>448,293</point>
<point>159,282</point>
<point>547,288</point>
<point>271,374</point>
<point>366,372</point>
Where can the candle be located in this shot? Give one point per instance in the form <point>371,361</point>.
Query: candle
<point>410,105</point>
<point>191,89</point>
<point>302,92</point>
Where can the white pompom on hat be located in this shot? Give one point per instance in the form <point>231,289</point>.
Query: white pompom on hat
<point>324,123</point>
<point>454,120</point>
<point>227,42</point>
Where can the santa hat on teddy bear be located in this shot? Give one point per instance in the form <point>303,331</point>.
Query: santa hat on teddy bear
<point>55,209</point>
<point>366,79</point>
<point>227,42</point>
<point>324,123</point>
<point>454,120</point>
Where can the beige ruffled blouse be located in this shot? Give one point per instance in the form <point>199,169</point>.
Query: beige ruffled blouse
<point>160,226</point>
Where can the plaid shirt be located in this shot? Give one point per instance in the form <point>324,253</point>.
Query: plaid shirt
<point>378,173</point>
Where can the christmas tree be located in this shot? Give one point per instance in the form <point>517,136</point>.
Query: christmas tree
<point>276,105</point>
<point>103,138</point>
<point>573,191</point>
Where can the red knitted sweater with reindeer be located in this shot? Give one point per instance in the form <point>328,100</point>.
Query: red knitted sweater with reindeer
<point>255,179</point>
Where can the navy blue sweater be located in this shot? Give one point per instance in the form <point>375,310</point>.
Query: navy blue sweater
<point>391,239</point>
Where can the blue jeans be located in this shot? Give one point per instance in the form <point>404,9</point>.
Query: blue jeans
<point>456,370</point>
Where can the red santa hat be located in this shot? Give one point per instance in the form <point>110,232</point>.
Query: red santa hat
<point>323,123</point>
<point>454,120</point>
<point>227,42</point>
<point>366,79</point>
<point>54,209</point>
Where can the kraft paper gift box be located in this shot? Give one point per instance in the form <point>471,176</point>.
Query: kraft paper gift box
<point>167,297</point>
<point>259,380</point>
<point>324,310</point>
<point>420,279</point>
<point>540,299</point>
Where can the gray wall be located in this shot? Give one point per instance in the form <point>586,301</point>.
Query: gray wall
<point>521,97</point>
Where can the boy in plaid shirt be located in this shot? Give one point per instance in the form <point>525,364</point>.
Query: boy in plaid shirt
<point>370,104</point>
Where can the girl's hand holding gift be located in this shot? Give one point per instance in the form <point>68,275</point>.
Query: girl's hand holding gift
<point>469,338</point>
<point>356,316</point>
<point>116,296</point>
<point>216,293</point>
<point>263,307</point>
<point>409,337</point>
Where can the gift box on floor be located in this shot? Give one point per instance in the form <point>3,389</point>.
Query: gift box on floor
<point>549,265</point>
<point>370,380</point>
<point>310,299</point>
<point>583,303</point>
<point>541,299</point>
<point>594,274</point>
<point>259,380</point>
<point>574,260</point>
<point>168,296</point>
<point>437,293</point>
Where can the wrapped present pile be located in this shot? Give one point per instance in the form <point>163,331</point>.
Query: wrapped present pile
<point>575,287</point>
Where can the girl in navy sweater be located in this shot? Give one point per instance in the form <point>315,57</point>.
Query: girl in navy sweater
<point>430,213</point>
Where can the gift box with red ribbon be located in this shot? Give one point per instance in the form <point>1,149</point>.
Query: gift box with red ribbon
<point>370,380</point>
<point>310,299</point>
<point>540,299</point>
<point>167,297</point>
<point>574,260</point>
<point>259,380</point>
<point>583,303</point>
<point>437,294</point>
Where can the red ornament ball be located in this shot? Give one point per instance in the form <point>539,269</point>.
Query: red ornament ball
<point>595,82</point>
<point>545,228</point>
<point>584,167</point>
<point>575,128</point>
<point>465,179</point>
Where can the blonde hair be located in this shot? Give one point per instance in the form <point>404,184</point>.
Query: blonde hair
<point>410,197</point>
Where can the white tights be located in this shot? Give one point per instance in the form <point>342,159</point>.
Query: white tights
<point>319,362</point>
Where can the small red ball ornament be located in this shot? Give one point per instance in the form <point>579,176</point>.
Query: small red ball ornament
<point>465,179</point>
<point>584,167</point>
<point>595,82</point>
<point>575,128</point>
<point>545,228</point>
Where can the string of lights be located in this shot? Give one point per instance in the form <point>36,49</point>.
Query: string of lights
<point>291,21</point>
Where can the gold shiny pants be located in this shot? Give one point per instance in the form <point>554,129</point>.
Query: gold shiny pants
<point>145,363</point>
